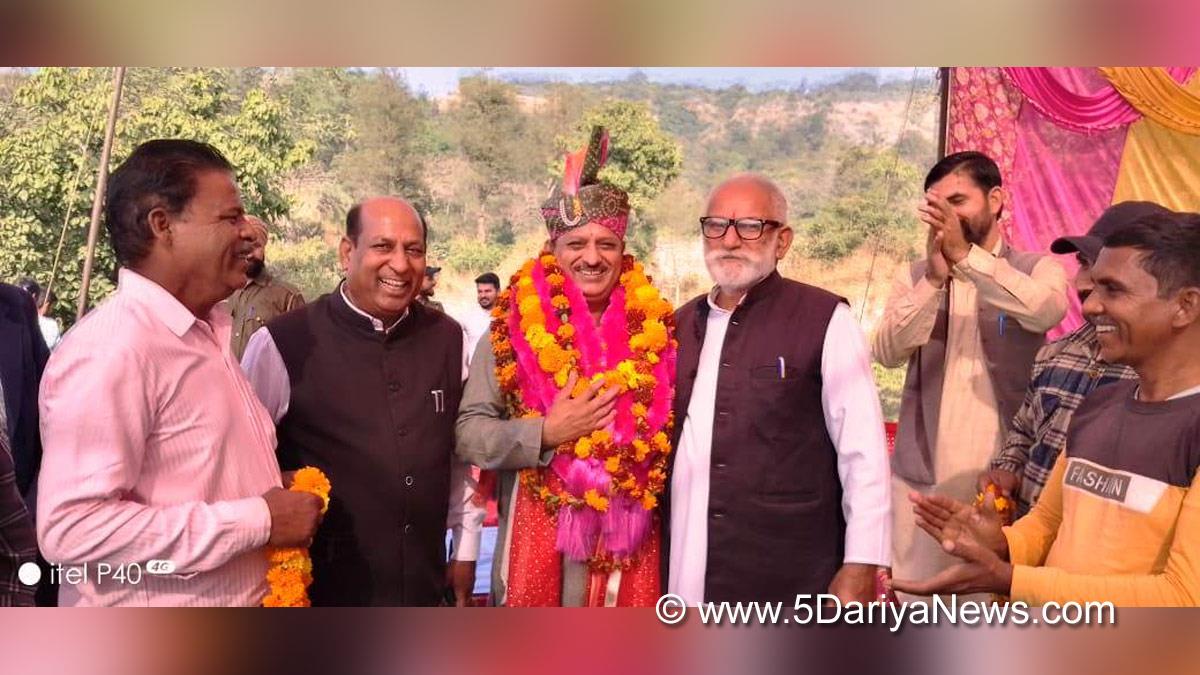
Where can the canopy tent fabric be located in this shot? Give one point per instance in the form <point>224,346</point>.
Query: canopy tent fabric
<point>1071,141</point>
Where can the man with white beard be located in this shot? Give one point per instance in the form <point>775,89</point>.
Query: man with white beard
<point>780,483</point>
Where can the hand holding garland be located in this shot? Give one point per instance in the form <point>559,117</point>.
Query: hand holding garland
<point>295,515</point>
<point>972,532</point>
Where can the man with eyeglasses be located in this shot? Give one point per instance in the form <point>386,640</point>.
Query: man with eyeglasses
<point>968,321</point>
<point>779,482</point>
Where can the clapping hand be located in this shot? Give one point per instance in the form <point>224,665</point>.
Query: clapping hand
<point>939,215</point>
<point>971,533</point>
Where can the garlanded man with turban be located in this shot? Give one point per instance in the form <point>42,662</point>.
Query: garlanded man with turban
<point>570,400</point>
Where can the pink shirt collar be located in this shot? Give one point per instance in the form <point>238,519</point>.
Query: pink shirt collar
<point>174,315</point>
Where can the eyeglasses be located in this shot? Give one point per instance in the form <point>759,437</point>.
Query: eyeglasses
<point>748,229</point>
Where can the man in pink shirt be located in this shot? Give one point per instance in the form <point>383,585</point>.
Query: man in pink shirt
<point>155,446</point>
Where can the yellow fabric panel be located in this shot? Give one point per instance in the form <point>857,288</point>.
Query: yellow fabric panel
<point>1158,96</point>
<point>1160,164</point>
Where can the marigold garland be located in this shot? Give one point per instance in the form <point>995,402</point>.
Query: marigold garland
<point>290,573</point>
<point>556,331</point>
<point>1004,506</point>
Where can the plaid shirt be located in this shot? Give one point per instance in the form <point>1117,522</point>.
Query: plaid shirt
<point>1064,373</point>
<point>18,544</point>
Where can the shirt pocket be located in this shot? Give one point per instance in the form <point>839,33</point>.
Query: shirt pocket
<point>771,373</point>
<point>762,409</point>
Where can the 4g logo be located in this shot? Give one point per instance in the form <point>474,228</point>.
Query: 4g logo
<point>160,567</point>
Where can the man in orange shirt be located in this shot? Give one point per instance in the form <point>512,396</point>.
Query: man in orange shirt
<point>1119,520</point>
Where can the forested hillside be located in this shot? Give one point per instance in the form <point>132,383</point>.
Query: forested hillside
<point>308,143</point>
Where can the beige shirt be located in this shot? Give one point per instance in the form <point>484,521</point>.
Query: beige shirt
<point>252,306</point>
<point>969,429</point>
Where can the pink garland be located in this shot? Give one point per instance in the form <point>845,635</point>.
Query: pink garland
<point>621,529</point>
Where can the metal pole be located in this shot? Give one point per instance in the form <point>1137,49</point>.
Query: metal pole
<point>98,198</point>
<point>943,109</point>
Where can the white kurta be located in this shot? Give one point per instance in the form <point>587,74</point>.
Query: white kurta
<point>853,419</point>
<point>969,424</point>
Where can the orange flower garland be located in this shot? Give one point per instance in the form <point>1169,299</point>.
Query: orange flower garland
<point>1004,506</point>
<point>290,573</point>
<point>648,324</point>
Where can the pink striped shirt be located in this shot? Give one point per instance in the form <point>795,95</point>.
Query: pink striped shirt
<point>155,448</point>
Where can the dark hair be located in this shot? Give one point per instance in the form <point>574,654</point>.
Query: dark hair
<point>1171,243</point>
<point>488,278</point>
<point>354,223</point>
<point>158,174</point>
<point>982,170</point>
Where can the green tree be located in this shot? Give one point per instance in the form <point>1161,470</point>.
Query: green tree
<point>492,135</point>
<point>502,234</point>
<point>642,159</point>
<point>388,141</point>
<point>308,264</point>
<point>890,382</point>
<point>50,139</point>
<point>873,194</point>
<point>474,256</point>
<point>320,106</point>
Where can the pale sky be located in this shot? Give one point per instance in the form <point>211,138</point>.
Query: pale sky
<point>439,81</point>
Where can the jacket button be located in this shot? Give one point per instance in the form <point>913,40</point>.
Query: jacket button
<point>408,528</point>
<point>408,480</point>
<point>725,364</point>
<point>403,431</point>
<point>716,515</point>
<point>393,387</point>
<point>719,465</point>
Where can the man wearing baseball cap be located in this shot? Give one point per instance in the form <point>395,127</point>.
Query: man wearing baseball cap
<point>1064,373</point>
<point>428,284</point>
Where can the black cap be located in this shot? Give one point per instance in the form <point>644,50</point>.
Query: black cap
<point>431,270</point>
<point>1114,218</point>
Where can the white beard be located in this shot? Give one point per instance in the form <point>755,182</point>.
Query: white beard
<point>737,275</point>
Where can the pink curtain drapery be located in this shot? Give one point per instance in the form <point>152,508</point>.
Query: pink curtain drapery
<point>1062,95</point>
<point>1059,156</point>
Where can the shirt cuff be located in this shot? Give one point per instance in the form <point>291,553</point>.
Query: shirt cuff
<point>979,261</point>
<point>869,548</point>
<point>251,520</point>
<point>878,560</point>
<point>466,544</point>
<point>870,542</point>
<point>1010,465</point>
<point>1030,584</point>
<point>924,292</point>
<point>1018,553</point>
